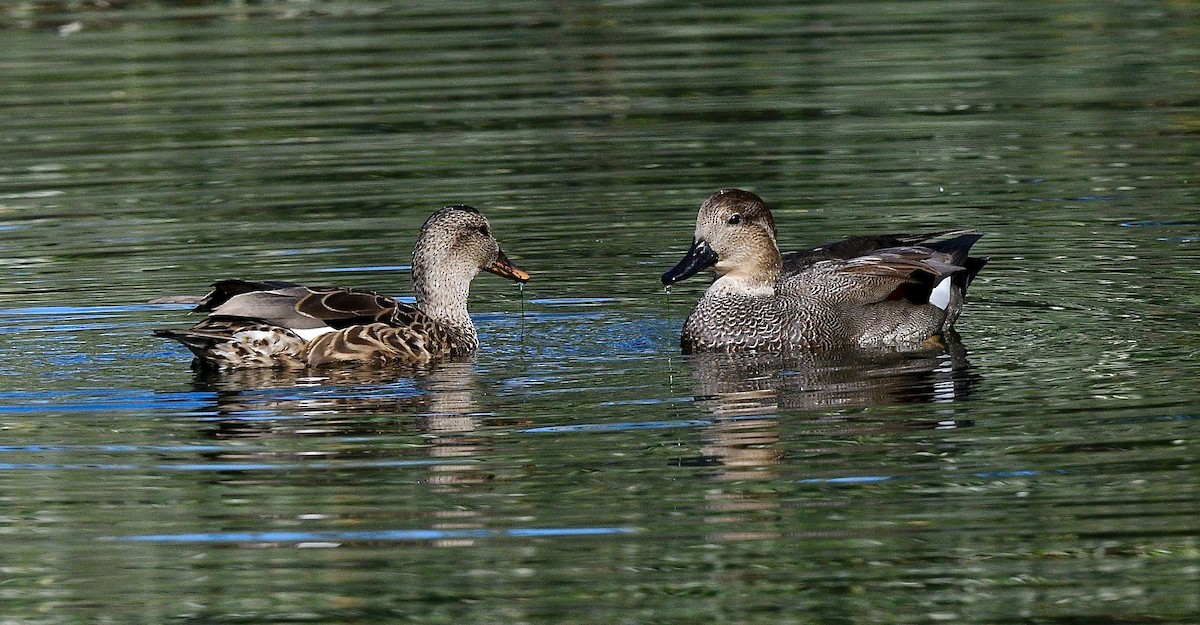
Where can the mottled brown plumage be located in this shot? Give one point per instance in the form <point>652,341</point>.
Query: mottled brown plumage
<point>282,324</point>
<point>889,291</point>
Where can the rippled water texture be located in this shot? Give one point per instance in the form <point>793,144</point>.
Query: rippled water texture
<point>579,469</point>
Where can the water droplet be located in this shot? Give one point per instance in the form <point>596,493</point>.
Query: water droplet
<point>667,289</point>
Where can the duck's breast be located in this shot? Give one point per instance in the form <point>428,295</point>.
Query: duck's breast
<point>742,323</point>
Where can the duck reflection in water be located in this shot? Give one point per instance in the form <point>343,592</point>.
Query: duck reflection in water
<point>740,383</point>
<point>745,391</point>
<point>822,394</point>
<point>434,405</point>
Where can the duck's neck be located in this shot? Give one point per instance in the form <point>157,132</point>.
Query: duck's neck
<point>443,296</point>
<point>738,286</point>
<point>749,277</point>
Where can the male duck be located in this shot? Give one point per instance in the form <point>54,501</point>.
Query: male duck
<point>281,324</point>
<point>891,291</point>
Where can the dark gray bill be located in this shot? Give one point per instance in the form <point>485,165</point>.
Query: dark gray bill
<point>700,257</point>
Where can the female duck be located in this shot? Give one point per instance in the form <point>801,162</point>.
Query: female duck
<point>866,292</point>
<point>281,324</point>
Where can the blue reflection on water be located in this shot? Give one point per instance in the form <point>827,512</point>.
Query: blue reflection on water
<point>1149,223</point>
<point>195,403</point>
<point>571,301</point>
<point>111,448</point>
<point>641,425</point>
<point>365,269</point>
<point>395,535</point>
<point>97,400</point>
<point>230,466</point>
<point>1078,198</point>
<point>620,427</point>
<point>872,479</point>
<point>90,311</point>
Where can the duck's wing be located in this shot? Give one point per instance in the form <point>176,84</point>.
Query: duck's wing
<point>854,247</point>
<point>910,273</point>
<point>341,308</point>
<point>379,343</point>
<point>296,307</point>
<point>225,290</point>
<point>273,324</point>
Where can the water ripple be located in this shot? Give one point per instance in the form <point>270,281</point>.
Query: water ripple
<point>375,535</point>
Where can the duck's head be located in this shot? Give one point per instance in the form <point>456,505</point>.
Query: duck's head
<point>735,235</point>
<point>455,243</point>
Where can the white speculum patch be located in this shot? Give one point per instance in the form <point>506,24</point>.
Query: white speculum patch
<point>309,334</point>
<point>940,296</point>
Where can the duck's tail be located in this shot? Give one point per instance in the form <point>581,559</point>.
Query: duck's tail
<point>958,246</point>
<point>232,343</point>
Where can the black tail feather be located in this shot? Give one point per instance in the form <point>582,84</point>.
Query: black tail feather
<point>225,290</point>
<point>959,248</point>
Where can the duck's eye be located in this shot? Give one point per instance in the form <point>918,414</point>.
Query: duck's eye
<point>483,230</point>
<point>734,219</point>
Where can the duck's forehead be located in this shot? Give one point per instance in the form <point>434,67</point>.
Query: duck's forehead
<point>719,207</point>
<point>715,207</point>
<point>460,218</point>
<point>469,219</point>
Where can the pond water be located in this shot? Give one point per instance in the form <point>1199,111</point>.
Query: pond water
<point>579,469</point>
